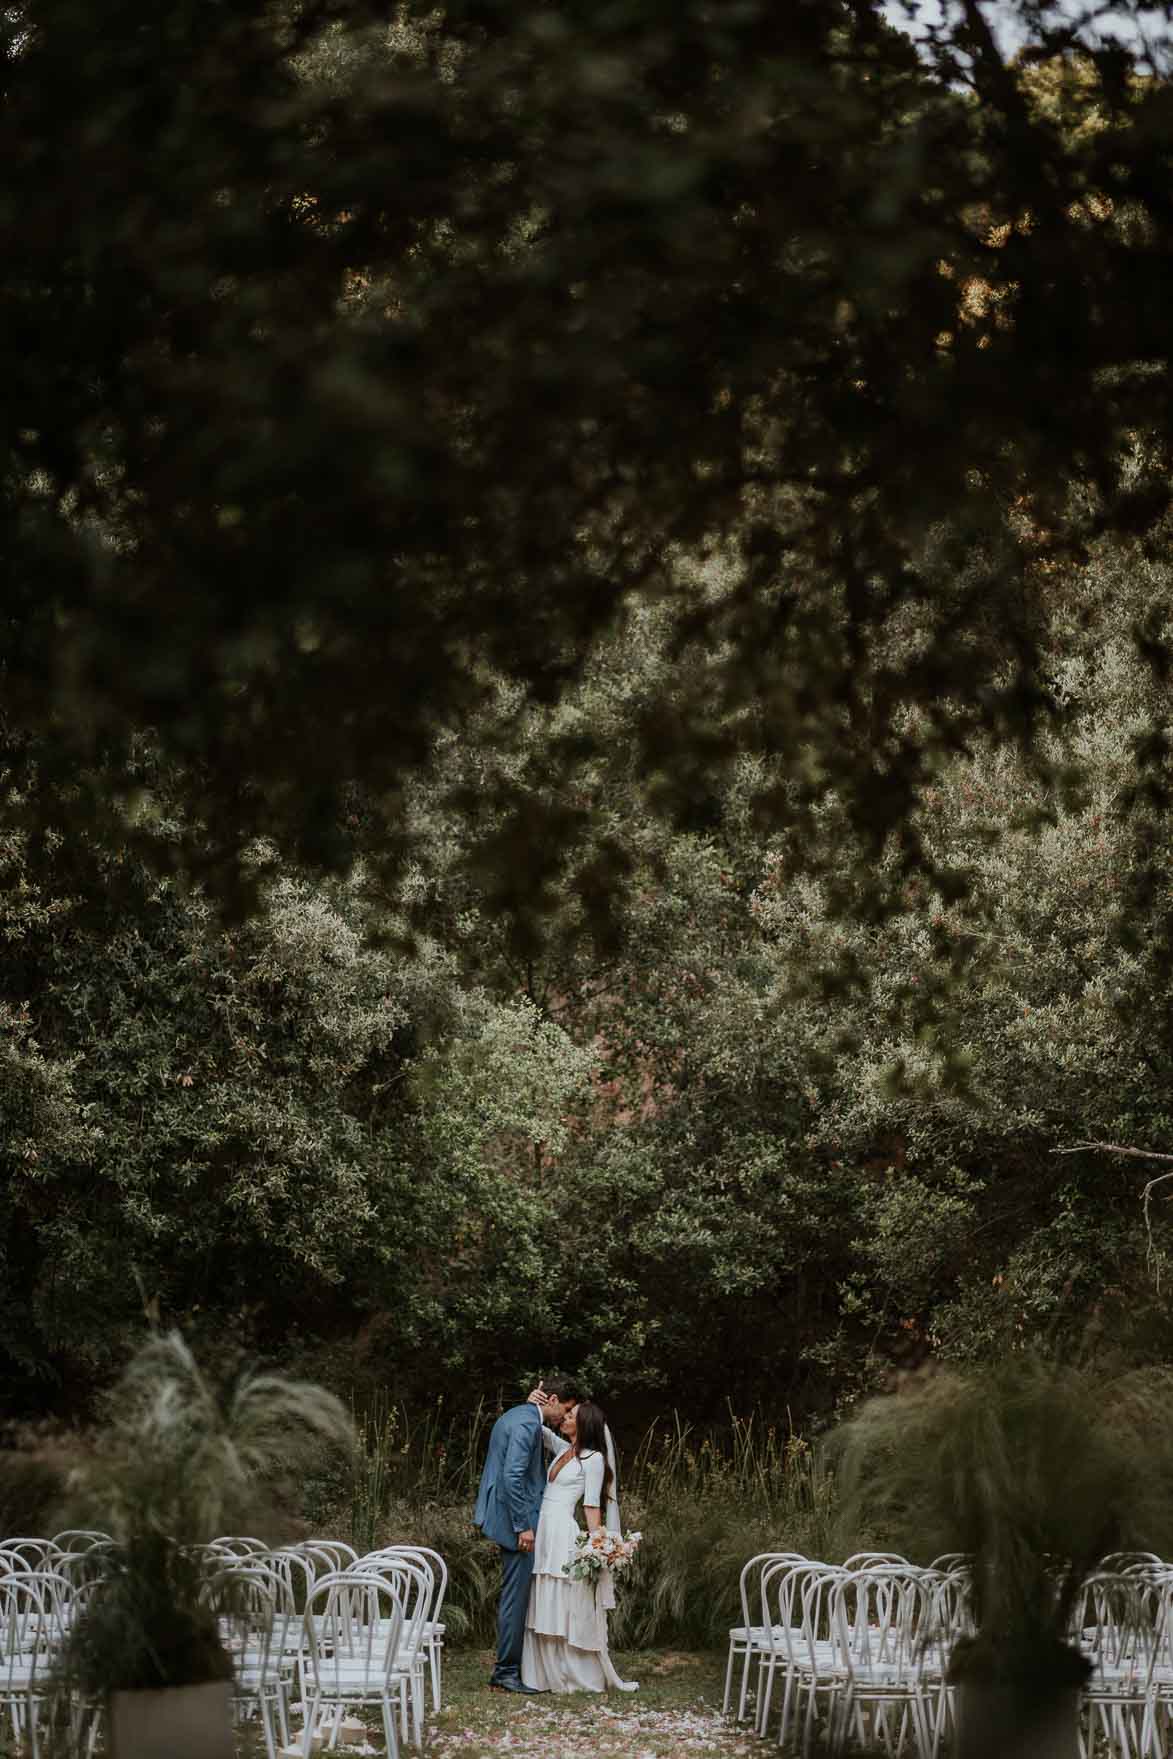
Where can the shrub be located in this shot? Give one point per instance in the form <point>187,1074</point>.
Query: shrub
<point>179,1462</point>
<point>706,1502</point>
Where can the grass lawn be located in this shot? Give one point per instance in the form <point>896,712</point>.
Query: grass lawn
<point>676,1710</point>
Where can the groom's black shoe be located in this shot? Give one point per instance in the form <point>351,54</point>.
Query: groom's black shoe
<point>512,1682</point>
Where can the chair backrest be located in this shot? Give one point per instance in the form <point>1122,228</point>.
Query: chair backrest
<point>434,1562</point>
<point>31,1629</point>
<point>816,1606</point>
<point>257,1618</point>
<point>340,1556</point>
<point>296,1570</point>
<point>793,1626</point>
<point>864,1560</point>
<point>952,1612</point>
<point>413,1583</point>
<point>752,1582</point>
<point>1118,1622</point>
<point>80,1539</point>
<point>353,1629</point>
<point>881,1620</point>
<point>80,1568</point>
<point>1119,1561</point>
<point>39,1552</point>
<point>239,1545</point>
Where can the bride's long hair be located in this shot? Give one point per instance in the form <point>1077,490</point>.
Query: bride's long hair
<point>591,1436</point>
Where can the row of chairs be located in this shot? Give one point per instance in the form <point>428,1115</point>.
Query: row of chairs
<point>862,1649</point>
<point>312,1624</point>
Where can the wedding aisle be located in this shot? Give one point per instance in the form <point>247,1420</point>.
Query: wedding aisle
<point>676,1711</point>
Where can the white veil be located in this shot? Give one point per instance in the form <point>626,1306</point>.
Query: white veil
<point>613,1522</point>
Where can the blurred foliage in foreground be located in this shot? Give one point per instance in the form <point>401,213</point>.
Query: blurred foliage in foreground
<point>432,341</point>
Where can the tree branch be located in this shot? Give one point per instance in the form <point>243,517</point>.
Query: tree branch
<point>1151,1258</point>
<point>1115,1148</point>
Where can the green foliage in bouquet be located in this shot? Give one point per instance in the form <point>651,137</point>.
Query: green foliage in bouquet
<point>179,1463</point>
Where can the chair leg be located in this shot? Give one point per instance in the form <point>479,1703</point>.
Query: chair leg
<point>729,1680</point>
<point>788,1693</point>
<point>765,1692</point>
<point>310,1704</point>
<point>390,1733</point>
<point>746,1666</point>
<point>267,1724</point>
<point>282,1696</point>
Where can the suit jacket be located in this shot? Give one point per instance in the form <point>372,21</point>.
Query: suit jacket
<point>514,1477</point>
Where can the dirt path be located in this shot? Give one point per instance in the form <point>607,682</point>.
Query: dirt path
<point>676,1710</point>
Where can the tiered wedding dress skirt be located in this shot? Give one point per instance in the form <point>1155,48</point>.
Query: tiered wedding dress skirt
<point>565,1648</point>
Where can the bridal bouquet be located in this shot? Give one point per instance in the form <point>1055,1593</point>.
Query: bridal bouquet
<point>599,1551</point>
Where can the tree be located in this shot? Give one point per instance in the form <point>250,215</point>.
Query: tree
<point>413,350</point>
<point>515,1138</point>
<point>275,1132</point>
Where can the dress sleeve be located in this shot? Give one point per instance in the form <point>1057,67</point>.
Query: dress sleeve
<point>553,1444</point>
<point>592,1467</point>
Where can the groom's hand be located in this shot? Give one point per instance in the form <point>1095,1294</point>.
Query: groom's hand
<point>525,1541</point>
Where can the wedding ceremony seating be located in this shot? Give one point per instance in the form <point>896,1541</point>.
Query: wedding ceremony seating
<point>432,1634</point>
<point>311,1626</point>
<point>255,1632</point>
<point>749,1641</point>
<point>354,1627</point>
<point>858,1652</point>
<point>410,1578</point>
<point>30,1635</point>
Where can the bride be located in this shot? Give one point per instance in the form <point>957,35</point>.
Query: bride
<point>565,1647</point>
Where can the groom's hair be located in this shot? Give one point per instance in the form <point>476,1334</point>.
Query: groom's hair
<point>565,1391</point>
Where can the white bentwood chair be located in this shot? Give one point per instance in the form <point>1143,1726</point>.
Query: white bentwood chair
<point>750,1640</point>
<point>353,1629</point>
<point>432,1640</point>
<point>31,1635</point>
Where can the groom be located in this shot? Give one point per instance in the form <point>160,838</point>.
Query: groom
<point>508,1501</point>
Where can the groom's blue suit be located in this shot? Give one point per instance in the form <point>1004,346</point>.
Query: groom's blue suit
<point>508,1502</point>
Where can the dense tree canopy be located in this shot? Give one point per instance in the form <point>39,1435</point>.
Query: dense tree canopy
<point>629,543</point>
<point>493,1150</point>
<point>352,358</point>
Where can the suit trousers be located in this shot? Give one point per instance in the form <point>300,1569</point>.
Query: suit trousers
<point>517,1568</point>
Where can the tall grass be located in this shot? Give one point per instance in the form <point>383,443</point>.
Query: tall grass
<point>705,1500</point>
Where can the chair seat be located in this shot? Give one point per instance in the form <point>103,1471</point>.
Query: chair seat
<point>21,1679</point>
<point>347,1674</point>
<point>884,1676</point>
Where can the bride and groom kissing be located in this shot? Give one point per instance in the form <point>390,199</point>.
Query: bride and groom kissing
<point>544,1458</point>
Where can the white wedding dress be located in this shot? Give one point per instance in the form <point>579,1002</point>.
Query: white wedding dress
<point>565,1648</point>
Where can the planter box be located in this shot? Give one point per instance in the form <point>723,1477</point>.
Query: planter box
<point>180,1722</point>
<point>994,1719</point>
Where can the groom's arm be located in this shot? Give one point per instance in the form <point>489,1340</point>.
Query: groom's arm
<point>519,1453</point>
